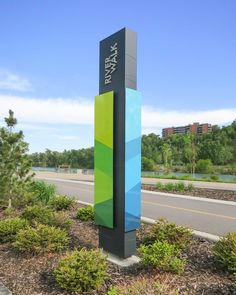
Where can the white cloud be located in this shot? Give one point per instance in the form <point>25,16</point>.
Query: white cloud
<point>35,111</point>
<point>157,118</point>
<point>12,81</point>
<point>52,111</point>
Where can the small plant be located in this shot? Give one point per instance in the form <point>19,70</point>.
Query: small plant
<point>189,187</point>
<point>179,187</point>
<point>10,227</point>
<point>225,251</point>
<point>43,191</point>
<point>38,214</point>
<point>62,220</point>
<point>45,215</point>
<point>60,202</point>
<point>41,239</point>
<point>9,211</point>
<point>86,213</point>
<point>169,187</point>
<point>82,271</point>
<point>162,256</point>
<point>214,177</point>
<point>163,230</point>
<point>159,185</point>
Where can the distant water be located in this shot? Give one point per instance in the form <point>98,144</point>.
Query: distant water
<point>44,169</point>
<point>150,173</point>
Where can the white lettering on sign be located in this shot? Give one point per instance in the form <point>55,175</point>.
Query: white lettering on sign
<point>111,63</point>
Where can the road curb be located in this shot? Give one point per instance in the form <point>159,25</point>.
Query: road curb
<point>196,233</point>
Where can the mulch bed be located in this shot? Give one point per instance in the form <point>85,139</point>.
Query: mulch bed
<point>225,195</point>
<point>32,275</point>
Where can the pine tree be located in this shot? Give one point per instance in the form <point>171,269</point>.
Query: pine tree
<point>15,165</point>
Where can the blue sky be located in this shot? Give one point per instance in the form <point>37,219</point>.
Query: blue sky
<point>49,64</point>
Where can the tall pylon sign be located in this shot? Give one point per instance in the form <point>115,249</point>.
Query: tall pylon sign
<point>117,149</point>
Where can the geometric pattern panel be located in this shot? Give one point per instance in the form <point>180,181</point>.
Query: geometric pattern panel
<point>132,159</point>
<point>103,159</point>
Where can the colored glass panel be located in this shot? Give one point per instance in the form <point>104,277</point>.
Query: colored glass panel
<point>103,159</point>
<point>132,159</point>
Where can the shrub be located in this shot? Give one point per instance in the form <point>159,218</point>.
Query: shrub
<point>82,271</point>
<point>179,186</point>
<point>189,187</point>
<point>62,220</point>
<point>38,214</point>
<point>10,227</point>
<point>163,256</point>
<point>8,211</point>
<point>143,287</point>
<point>86,213</point>
<point>159,185</point>
<point>43,191</point>
<point>41,239</point>
<point>204,166</point>
<point>60,202</point>
<point>225,251</point>
<point>45,215</point>
<point>163,230</point>
<point>169,187</point>
<point>214,177</point>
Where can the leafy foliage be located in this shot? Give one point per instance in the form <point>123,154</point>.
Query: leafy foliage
<point>60,202</point>
<point>82,271</point>
<point>163,230</point>
<point>170,186</point>
<point>85,213</point>
<point>41,239</point>
<point>162,256</point>
<point>204,166</point>
<point>42,191</point>
<point>38,214</point>
<point>225,251</point>
<point>45,215</point>
<point>15,165</point>
<point>10,227</point>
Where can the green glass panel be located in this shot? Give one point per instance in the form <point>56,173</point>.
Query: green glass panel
<point>104,118</point>
<point>103,160</point>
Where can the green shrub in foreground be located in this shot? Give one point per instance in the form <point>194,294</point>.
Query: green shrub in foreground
<point>41,239</point>
<point>38,214</point>
<point>42,191</point>
<point>60,202</point>
<point>86,213</point>
<point>162,256</point>
<point>225,251</point>
<point>163,230</point>
<point>10,227</point>
<point>45,215</point>
<point>82,271</point>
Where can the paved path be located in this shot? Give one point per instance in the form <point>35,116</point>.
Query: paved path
<point>198,184</point>
<point>206,215</point>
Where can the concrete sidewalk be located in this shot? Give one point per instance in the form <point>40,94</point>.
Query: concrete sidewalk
<point>84,177</point>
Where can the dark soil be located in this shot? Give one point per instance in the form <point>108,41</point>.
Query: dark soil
<point>225,195</point>
<point>33,275</point>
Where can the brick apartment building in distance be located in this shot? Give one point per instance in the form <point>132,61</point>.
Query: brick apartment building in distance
<point>194,128</point>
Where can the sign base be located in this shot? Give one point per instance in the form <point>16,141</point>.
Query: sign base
<point>120,244</point>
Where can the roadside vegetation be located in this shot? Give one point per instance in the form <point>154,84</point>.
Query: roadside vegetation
<point>213,153</point>
<point>49,243</point>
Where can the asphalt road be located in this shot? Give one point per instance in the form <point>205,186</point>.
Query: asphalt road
<point>210,216</point>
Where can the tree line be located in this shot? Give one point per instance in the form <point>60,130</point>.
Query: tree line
<point>188,151</point>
